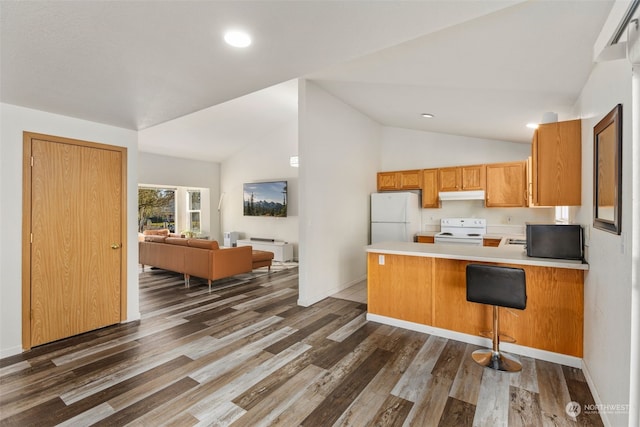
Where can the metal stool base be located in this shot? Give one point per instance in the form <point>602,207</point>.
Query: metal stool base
<point>496,360</point>
<point>503,338</point>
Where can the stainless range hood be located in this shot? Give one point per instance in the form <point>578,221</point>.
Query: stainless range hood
<point>461,195</point>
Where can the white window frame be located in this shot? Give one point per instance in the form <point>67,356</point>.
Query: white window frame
<point>182,211</point>
<point>175,200</point>
<point>192,211</point>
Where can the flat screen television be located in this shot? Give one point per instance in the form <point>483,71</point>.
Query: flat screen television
<point>265,198</point>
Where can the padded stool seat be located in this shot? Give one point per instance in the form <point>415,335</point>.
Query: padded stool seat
<point>499,287</point>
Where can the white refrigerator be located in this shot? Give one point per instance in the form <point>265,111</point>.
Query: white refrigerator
<point>395,217</point>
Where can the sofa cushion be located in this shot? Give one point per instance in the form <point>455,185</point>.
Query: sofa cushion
<point>203,244</point>
<point>161,232</point>
<point>154,238</point>
<point>177,241</point>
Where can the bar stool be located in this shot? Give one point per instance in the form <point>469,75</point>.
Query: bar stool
<point>498,287</point>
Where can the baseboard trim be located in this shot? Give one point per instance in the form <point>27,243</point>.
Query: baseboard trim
<point>549,356</point>
<point>132,317</point>
<point>11,351</point>
<point>306,302</point>
<point>594,393</point>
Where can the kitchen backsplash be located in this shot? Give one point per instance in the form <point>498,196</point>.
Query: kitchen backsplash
<point>506,230</point>
<point>503,220</point>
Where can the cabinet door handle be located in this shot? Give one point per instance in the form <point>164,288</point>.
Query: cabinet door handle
<point>115,246</point>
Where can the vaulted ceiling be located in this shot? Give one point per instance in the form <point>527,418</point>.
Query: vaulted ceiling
<point>484,68</point>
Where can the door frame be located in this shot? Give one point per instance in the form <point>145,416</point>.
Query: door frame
<point>26,225</point>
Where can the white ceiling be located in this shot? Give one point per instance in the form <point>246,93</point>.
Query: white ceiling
<point>484,67</point>
<point>485,78</point>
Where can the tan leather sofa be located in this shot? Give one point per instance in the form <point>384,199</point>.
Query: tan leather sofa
<point>194,257</point>
<point>159,232</point>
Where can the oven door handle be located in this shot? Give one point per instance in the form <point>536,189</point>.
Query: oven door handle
<point>459,242</point>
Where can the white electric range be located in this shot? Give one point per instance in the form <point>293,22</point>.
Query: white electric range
<point>462,231</point>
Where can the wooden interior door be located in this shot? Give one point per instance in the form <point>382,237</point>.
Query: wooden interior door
<point>76,264</point>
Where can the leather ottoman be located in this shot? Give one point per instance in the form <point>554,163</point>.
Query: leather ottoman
<point>262,259</point>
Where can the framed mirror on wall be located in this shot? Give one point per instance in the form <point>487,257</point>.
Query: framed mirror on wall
<point>607,172</point>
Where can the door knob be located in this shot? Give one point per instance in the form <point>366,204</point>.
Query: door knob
<point>115,246</point>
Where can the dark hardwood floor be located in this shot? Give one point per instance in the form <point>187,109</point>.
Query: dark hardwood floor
<point>247,355</point>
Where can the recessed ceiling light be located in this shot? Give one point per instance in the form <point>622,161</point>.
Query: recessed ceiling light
<point>532,125</point>
<point>237,38</point>
<point>427,115</point>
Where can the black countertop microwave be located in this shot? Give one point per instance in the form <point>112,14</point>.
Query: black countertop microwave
<point>555,241</point>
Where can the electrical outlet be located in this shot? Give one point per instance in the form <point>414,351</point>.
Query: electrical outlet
<point>380,259</point>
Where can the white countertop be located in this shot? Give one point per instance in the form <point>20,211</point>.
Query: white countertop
<point>507,254</point>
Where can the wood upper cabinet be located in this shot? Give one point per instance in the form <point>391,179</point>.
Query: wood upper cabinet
<point>410,180</point>
<point>400,180</point>
<point>473,177</point>
<point>449,179</point>
<point>462,178</point>
<point>387,181</point>
<point>506,185</point>
<point>556,164</point>
<point>430,188</point>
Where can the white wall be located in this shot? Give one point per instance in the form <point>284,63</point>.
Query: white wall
<point>339,150</point>
<point>634,392</point>
<point>412,149</point>
<point>608,282</point>
<point>15,120</point>
<point>265,160</point>
<point>169,171</point>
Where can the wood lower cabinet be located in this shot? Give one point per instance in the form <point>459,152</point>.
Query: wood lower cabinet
<point>432,291</point>
<point>553,319</point>
<point>426,239</point>
<point>491,242</point>
<point>399,180</point>
<point>430,197</point>
<point>506,185</point>
<point>402,287</point>
<point>556,164</point>
<point>462,178</point>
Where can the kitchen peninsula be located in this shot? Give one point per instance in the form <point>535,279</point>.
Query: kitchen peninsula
<point>423,287</point>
